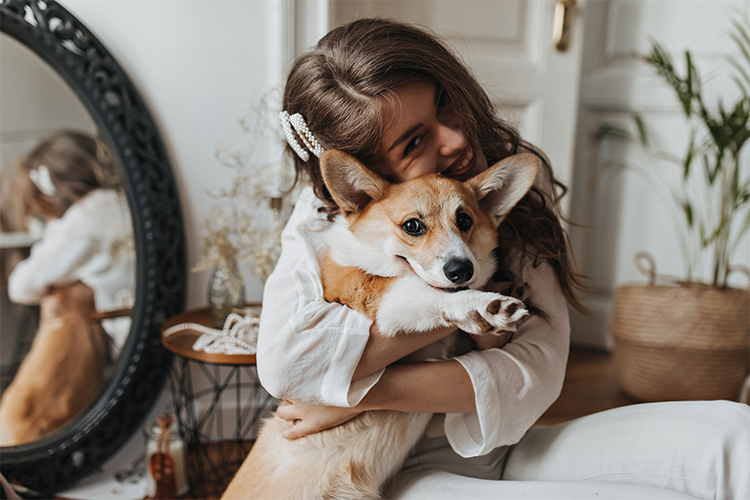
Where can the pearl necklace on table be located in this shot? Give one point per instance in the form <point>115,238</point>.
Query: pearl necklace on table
<point>238,336</point>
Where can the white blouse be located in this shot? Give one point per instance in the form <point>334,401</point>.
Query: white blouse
<point>308,348</point>
<point>93,243</point>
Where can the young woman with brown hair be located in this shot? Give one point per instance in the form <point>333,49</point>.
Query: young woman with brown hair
<point>397,99</point>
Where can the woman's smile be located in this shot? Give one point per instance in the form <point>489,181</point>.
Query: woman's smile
<point>462,165</point>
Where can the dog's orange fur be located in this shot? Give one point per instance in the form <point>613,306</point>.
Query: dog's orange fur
<point>60,375</point>
<point>353,287</point>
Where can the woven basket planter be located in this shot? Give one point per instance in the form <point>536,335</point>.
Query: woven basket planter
<point>683,342</point>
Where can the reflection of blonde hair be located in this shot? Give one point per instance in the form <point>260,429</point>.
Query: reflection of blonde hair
<point>77,164</point>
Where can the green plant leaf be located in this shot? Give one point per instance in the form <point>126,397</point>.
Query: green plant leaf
<point>741,37</point>
<point>689,155</point>
<point>744,190</point>
<point>687,207</point>
<point>686,91</point>
<point>641,127</point>
<point>738,40</point>
<point>713,173</point>
<point>742,78</point>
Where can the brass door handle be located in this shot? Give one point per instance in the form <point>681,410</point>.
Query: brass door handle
<point>562,28</point>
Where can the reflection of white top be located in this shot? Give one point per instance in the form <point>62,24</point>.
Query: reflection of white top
<point>308,349</point>
<point>93,243</point>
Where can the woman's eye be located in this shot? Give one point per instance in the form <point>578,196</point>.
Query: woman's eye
<point>413,144</point>
<point>413,227</point>
<point>464,222</point>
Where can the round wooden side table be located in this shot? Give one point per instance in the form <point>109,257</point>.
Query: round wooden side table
<point>218,403</point>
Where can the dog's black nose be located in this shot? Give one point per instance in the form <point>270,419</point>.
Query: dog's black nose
<point>458,270</point>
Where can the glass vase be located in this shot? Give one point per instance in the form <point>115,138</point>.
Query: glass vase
<point>226,290</point>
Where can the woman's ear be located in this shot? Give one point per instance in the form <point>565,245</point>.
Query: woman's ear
<point>503,185</point>
<point>351,184</point>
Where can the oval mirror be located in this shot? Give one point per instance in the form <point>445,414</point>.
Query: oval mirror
<point>87,350</point>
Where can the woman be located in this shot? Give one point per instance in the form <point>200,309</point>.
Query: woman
<point>396,99</point>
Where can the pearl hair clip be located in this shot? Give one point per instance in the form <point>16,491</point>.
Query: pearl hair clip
<point>308,139</point>
<point>42,179</point>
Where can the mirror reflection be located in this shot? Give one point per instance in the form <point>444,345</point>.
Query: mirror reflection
<point>67,260</point>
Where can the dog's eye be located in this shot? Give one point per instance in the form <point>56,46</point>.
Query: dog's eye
<point>464,222</point>
<point>413,227</point>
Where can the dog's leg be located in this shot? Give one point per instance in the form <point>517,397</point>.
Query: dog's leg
<point>410,305</point>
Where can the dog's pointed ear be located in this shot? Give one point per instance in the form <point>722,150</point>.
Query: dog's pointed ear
<point>351,184</point>
<point>503,185</point>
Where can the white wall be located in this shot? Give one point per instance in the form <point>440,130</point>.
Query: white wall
<point>197,64</point>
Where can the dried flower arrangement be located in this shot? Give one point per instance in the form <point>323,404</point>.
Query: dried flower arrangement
<point>246,222</point>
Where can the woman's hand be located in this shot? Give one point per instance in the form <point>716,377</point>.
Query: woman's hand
<point>304,419</point>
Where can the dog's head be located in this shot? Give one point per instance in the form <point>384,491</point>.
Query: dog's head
<point>441,229</point>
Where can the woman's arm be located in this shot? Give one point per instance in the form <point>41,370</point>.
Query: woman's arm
<point>491,397</point>
<point>430,387</point>
<point>381,351</point>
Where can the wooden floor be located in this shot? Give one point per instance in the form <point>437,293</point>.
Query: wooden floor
<point>589,387</point>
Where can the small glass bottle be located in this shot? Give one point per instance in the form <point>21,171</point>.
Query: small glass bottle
<point>178,452</point>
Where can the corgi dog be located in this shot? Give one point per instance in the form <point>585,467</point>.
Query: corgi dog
<point>61,374</point>
<point>413,257</point>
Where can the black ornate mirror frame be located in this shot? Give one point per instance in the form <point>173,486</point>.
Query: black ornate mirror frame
<point>58,461</point>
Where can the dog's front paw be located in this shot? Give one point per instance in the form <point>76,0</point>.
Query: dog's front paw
<point>483,312</point>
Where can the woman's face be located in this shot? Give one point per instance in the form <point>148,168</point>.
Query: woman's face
<point>422,136</point>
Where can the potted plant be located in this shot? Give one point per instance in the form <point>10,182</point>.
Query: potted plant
<point>686,339</point>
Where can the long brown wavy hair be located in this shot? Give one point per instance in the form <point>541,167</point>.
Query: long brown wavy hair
<point>341,85</point>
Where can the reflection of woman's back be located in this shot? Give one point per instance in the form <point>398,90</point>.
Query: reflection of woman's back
<point>91,243</point>
<point>84,263</point>
<point>89,237</point>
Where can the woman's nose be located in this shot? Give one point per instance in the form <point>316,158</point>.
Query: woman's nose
<point>452,141</point>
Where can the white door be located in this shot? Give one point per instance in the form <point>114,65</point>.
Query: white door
<point>509,45</point>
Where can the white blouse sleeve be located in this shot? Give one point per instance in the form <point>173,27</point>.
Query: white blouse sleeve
<point>308,348</point>
<point>55,260</point>
<point>515,385</point>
